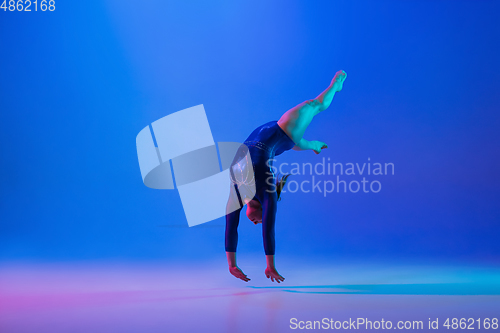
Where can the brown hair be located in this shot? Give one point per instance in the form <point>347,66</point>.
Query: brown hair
<point>280,184</point>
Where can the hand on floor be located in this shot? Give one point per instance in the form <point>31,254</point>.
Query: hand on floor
<point>272,273</point>
<point>237,272</point>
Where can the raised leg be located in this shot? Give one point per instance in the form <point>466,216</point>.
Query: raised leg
<point>296,120</point>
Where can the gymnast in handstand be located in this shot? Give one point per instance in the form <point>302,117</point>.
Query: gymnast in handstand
<point>263,144</point>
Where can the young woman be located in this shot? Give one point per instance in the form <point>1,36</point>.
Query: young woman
<point>263,144</point>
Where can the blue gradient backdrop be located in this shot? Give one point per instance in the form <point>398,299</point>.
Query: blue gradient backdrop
<point>78,84</point>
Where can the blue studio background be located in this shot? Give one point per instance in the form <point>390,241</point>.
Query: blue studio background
<point>78,84</point>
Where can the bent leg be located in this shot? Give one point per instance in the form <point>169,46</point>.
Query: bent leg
<point>296,120</point>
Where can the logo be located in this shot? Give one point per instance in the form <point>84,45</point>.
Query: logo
<point>185,157</point>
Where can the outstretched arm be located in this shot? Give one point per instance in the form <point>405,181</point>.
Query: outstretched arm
<point>232,222</point>
<point>310,145</point>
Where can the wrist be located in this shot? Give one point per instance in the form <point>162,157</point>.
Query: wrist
<point>270,261</point>
<point>231,259</point>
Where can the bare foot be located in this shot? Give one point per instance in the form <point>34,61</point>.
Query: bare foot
<point>338,80</point>
<point>317,146</point>
<point>238,273</point>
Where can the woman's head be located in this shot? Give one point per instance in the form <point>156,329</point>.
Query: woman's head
<point>254,211</point>
<point>254,208</point>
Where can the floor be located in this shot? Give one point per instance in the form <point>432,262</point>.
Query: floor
<point>174,297</point>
